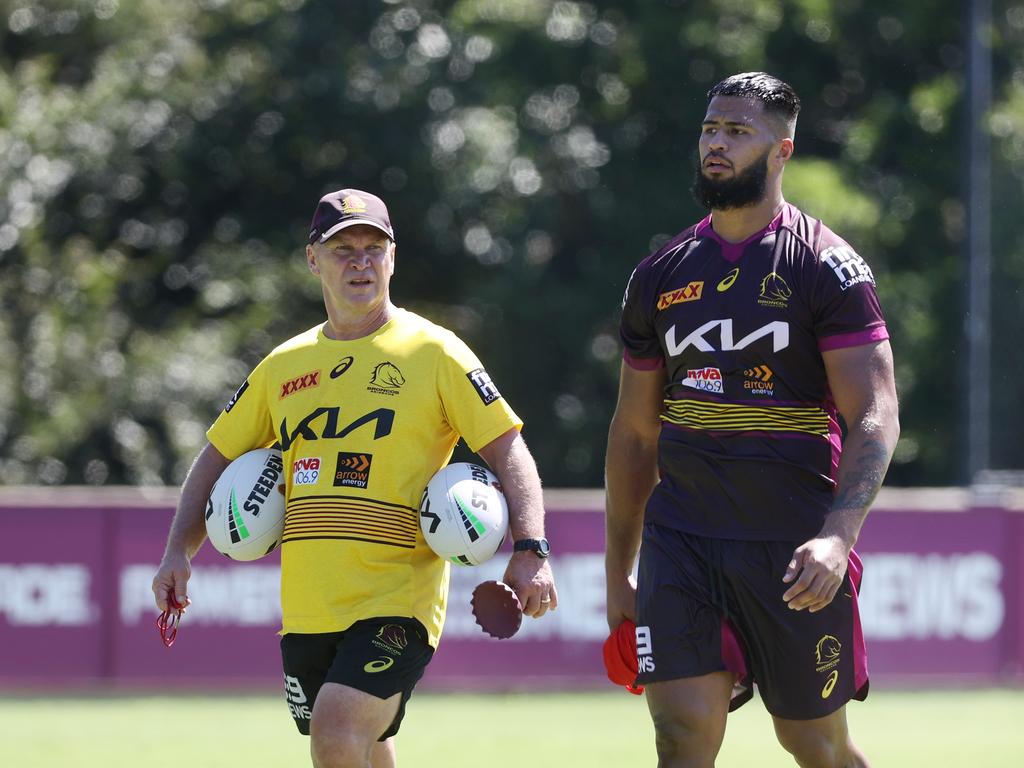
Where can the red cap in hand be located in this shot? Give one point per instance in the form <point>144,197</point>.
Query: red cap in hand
<point>620,657</point>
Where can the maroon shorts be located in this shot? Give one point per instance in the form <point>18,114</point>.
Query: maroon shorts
<point>699,599</point>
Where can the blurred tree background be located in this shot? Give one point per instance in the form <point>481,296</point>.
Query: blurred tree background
<point>161,162</point>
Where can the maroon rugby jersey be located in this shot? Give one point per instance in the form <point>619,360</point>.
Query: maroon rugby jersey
<point>749,440</point>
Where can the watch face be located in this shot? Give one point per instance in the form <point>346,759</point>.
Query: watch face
<point>542,547</point>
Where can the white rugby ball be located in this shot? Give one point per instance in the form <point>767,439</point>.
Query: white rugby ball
<point>463,514</point>
<point>245,511</point>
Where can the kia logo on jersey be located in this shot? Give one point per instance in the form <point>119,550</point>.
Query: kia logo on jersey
<point>778,330</point>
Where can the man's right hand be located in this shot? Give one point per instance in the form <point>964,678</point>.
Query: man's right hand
<point>188,529</point>
<point>621,601</point>
<point>172,576</point>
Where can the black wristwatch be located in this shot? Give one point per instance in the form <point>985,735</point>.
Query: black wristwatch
<point>539,547</point>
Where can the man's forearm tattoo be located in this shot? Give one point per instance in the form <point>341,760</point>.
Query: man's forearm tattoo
<point>861,483</point>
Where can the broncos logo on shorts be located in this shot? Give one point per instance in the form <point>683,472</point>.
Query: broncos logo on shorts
<point>392,638</point>
<point>827,652</point>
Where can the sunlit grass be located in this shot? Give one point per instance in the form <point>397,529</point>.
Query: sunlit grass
<point>938,728</point>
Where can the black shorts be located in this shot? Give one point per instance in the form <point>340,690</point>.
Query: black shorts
<point>692,591</point>
<point>381,656</point>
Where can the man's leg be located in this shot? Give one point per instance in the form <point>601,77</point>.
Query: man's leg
<point>689,717</point>
<point>345,727</point>
<point>384,754</point>
<point>821,743</point>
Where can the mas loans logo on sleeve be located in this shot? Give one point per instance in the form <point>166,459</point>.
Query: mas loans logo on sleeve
<point>238,393</point>
<point>483,385</point>
<point>848,266</point>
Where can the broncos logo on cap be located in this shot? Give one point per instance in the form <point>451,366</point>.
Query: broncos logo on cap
<point>353,204</point>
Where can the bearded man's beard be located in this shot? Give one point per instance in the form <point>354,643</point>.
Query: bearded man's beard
<point>743,189</point>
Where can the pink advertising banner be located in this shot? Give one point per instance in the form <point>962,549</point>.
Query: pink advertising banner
<point>939,600</point>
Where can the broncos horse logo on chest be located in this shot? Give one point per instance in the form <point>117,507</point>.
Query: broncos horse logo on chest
<point>387,376</point>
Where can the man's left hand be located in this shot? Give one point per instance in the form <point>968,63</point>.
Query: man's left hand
<point>531,578</point>
<point>820,564</point>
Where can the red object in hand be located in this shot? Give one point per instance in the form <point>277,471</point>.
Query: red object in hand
<point>497,609</point>
<point>168,621</point>
<point>620,657</point>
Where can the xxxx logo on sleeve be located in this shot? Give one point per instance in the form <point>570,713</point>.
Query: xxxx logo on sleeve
<point>305,381</point>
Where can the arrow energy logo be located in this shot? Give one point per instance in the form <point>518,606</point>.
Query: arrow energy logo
<point>353,469</point>
<point>759,381</point>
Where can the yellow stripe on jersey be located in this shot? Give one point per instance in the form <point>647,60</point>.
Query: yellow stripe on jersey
<point>731,417</point>
<point>350,517</point>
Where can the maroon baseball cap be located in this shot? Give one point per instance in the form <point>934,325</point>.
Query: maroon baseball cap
<point>346,208</point>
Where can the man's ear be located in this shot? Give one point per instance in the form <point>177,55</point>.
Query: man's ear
<point>311,260</point>
<point>785,150</point>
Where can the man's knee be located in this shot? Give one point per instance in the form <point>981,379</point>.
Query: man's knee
<point>814,747</point>
<point>811,751</point>
<point>689,735</point>
<point>339,748</point>
<point>346,724</point>
<point>689,718</point>
<point>685,741</point>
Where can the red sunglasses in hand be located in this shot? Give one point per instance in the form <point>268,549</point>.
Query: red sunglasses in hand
<point>168,621</point>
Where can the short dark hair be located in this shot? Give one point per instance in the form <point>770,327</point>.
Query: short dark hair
<point>778,97</point>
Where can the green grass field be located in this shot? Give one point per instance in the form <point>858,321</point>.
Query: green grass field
<point>934,729</point>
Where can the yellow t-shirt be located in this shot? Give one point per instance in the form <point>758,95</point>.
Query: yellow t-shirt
<point>362,426</point>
